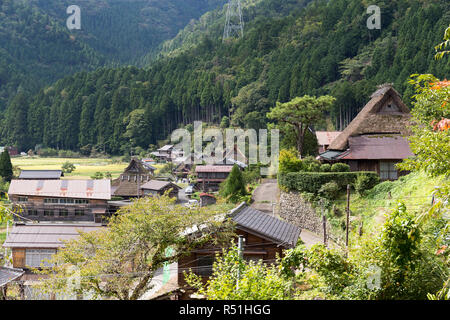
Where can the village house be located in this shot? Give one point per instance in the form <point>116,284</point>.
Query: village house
<point>41,174</point>
<point>129,183</point>
<point>377,138</point>
<point>264,236</point>
<point>164,154</point>
<point>32,244</point>
<point>13,151</point>
<point>207,199</point>
<point>8,275</point>
<point>324,139</point>
<point>60,200</point>
<point>158,188</point>
<point>209,177</point>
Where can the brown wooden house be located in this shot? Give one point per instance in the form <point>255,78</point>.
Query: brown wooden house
<point>32,243</point>
<point>376,139</point>
<point>60,200</point>
<point>264,237</point>
<point>209,177</point>
<point>158,188</point>
<point>129,183</point>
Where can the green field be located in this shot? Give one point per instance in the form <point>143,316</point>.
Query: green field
<point>85,167</point>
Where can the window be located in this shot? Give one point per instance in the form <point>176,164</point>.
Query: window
<point>34,257</point>
<point>48,213</point>
<point>32,212</point>
<point>388,171</point>
<point>63,213</point>
<point>204,265</point>
<point>79,212</point>
<point>22,199</point>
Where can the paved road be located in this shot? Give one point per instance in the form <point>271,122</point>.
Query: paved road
<point>265,194</point>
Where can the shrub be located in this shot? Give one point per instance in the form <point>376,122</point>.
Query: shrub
<point>68,167</point>
<point>312,181</point>
<point>365,182</point>
<point>340,167</point>
<point>329,190</point>
<point>326,167</point>
<point>310,164</point>
<point>289,161</point>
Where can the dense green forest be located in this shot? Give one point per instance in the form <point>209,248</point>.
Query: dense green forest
<point>324,48</point>
<point>36,48</point>
<point>125,30</point>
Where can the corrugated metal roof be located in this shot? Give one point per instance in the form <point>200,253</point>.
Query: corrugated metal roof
<point>9,274</point>
<point>45,235</point>
<point>378,147</point>
<point>212,168</point>
<point>280,231</point>
<point>40,174</point>
<point>85,189</point>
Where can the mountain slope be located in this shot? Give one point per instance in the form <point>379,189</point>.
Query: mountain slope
<point>35,49</point>
<point>324,48</point>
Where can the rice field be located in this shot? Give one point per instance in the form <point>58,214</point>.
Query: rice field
<point>84,167</point>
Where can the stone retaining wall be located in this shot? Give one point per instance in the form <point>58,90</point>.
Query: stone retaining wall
<point>296,210</point>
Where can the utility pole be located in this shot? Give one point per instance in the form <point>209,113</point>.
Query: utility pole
<point>234,24</point>
<point>348,215</point>
<point>241,255</point>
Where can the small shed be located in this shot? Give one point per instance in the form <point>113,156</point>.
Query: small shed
<point>207,199</point>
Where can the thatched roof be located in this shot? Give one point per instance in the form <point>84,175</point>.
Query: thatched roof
<point>384,113</point>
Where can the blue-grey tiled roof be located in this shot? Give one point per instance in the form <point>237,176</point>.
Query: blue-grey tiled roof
<point>278,230</point>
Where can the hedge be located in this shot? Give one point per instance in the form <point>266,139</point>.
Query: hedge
<point>313,181</point>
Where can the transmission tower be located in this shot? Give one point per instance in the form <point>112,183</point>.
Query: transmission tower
<point>234,25</point>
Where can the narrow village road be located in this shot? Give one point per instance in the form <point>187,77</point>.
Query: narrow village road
<point>266,194</point>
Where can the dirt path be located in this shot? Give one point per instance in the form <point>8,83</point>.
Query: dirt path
<point>266,194</point>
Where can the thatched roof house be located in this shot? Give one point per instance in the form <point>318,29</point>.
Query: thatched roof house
<point>131,179</point>
<point>376,139</point>
<point>384,113</point>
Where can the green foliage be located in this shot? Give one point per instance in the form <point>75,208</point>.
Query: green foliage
<point>287,52</point>
<point>329,190</point>
<point>340,167</point>
<point>257,281</point>
<point>312,181</point>
<point>97,176</point>
<point>68,167</point>
<point>326,167</point>
<point>132,248</point>
<point>310,164</point>
<point>233,188</point>
<point>443,45</point>
<point>6,168</point>
<point>288,161</point>
<point>365,182</point>
<point>301,113</point>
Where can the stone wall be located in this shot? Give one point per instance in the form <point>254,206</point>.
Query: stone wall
<point>296,210</point>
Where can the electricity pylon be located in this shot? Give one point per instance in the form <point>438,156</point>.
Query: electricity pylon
<point>234,25</point>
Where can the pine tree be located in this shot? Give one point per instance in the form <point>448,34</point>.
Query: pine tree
<point>6,168</point>
<point>234,186</point>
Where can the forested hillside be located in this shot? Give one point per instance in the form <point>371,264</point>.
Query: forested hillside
<point>36,48</point>
<point>125,30</point>
<point>324,48</point>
